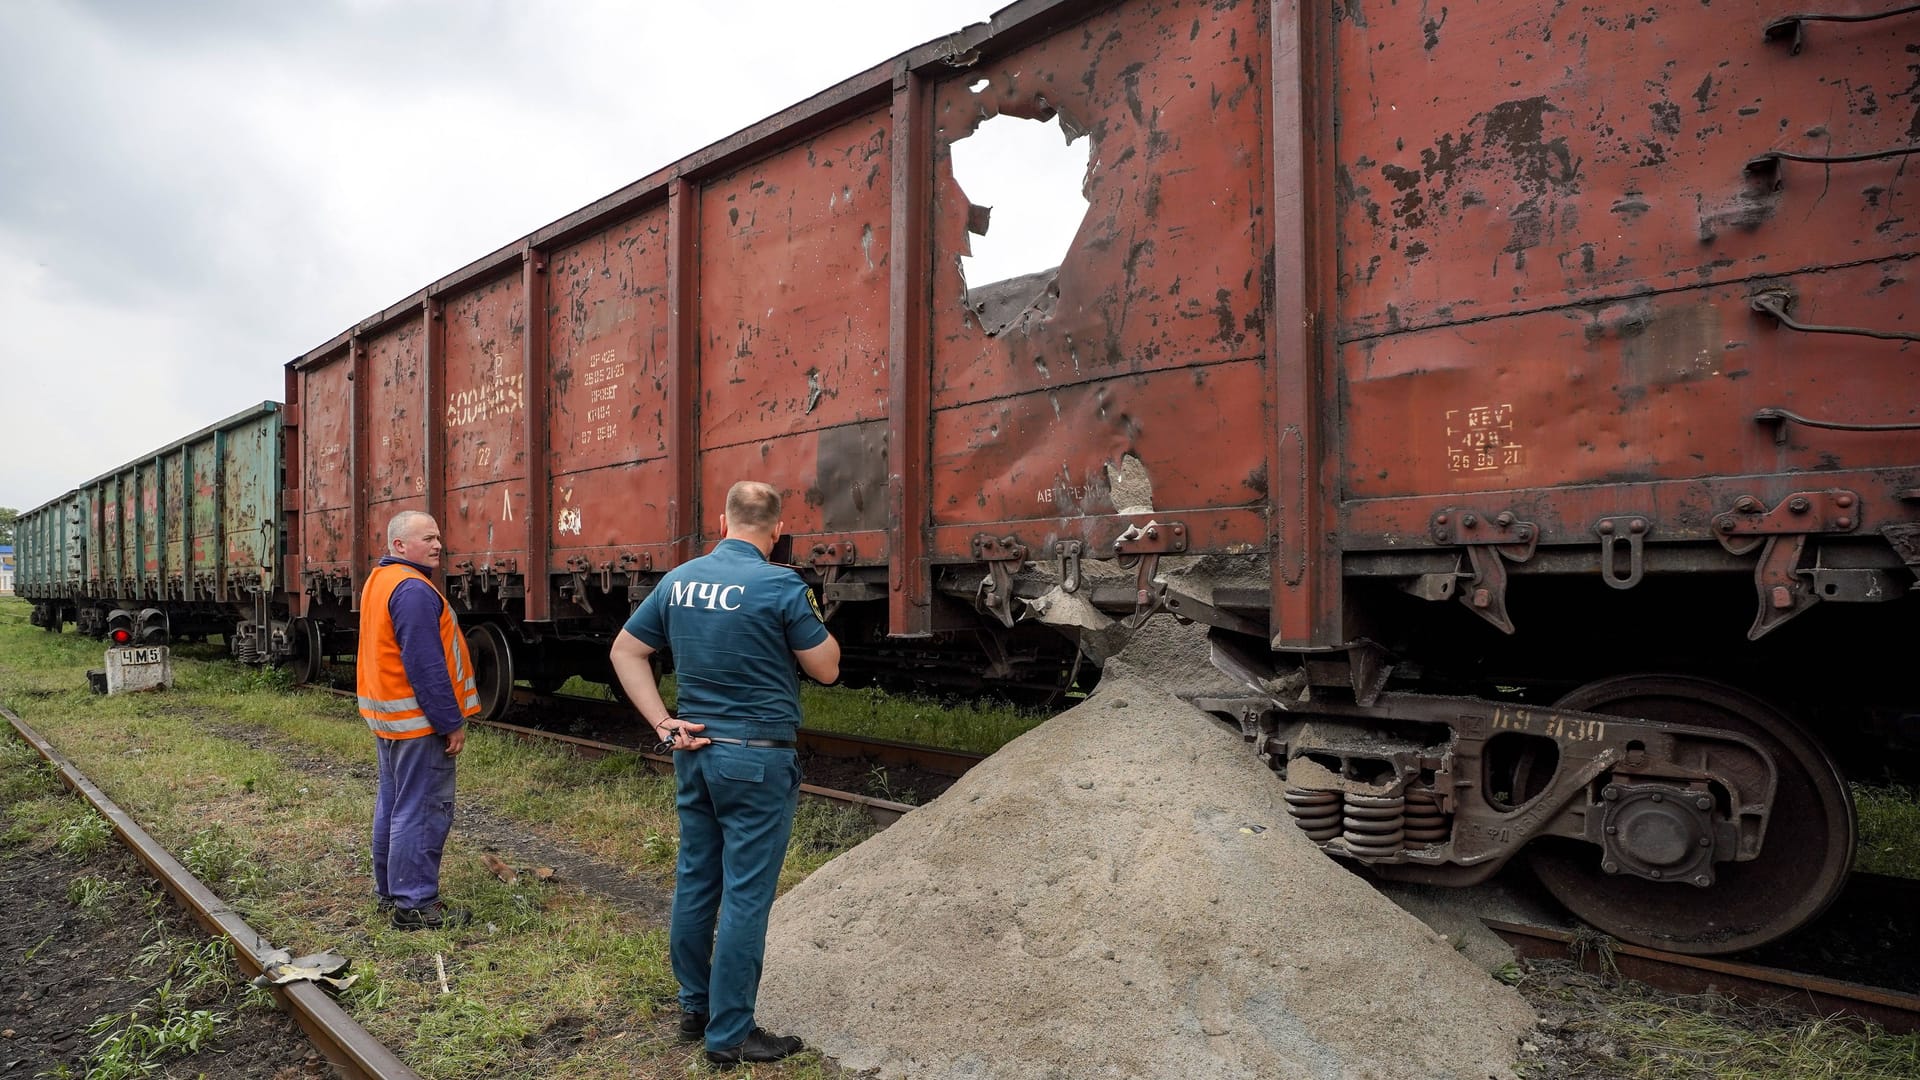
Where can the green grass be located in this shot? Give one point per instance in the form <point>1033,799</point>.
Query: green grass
<point>266,794</point>
<point>1644,1035</point>
<point>954,723</point>
<point>1889,830</point>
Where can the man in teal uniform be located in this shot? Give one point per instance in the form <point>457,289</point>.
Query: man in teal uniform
<point>735,625</point>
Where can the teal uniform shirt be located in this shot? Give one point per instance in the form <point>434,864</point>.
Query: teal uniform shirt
<point>732,622</point>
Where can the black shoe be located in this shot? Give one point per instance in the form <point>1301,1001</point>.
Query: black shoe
<point>759,1046</point>
<point>693,1026</point>
<point>383,906</point>
<point>436,916</point>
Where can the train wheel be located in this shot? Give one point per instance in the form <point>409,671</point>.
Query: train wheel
<point>1803,859</point>
<point>309,663</point>
<point>492,669</point>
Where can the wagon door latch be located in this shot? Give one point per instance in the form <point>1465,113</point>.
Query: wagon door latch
<point>1003,555</point>
<point>578,567</point>
<point>463,581</point>
<point>1492,541</point>
<point>827,560</point>
<point>1141,547</point>
<point>1780,534</point>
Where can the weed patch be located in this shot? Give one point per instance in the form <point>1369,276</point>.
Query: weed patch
<point>1889,830</point>
<point>84,835</point>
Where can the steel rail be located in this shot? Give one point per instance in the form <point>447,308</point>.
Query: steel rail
<point>933,759</point>
<point>883,812</point>
<point>1897,1012</point>
<point>353,1053</point>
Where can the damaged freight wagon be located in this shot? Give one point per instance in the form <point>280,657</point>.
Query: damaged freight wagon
<point>1523,397</point>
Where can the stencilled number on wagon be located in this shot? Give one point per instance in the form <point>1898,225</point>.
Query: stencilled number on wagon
<point>603,368</point>
<point>1480,439</point>
<point>503,395</point>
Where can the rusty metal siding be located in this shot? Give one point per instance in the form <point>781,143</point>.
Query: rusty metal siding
<point>249,506</point>
<point>326,522</point>
<point>1548,276</point>
<point>608,424</point>
<point>793,308</point>
<point>1514,156</point>
<point>486,423</point>
<point>1150,340</point>
<point>397,409</point>
<point>176,503</point>
<point>49,545</point>
<point>1657,387</point>
<point>174,524</point>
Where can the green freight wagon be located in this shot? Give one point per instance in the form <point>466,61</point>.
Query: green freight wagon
<point>180,543</point>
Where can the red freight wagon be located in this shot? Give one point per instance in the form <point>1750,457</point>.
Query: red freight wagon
<point>1525,393</point>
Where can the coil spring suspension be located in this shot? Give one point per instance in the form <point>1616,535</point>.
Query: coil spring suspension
<point>1425,824</point>
<point>1374,824</point>
<point>1316,812</point>
<point>246,644</point>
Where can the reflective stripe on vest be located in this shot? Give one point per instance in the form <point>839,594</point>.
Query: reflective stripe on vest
<point>387,700</point>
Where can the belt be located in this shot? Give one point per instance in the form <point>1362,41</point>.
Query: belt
<point>763,744</point>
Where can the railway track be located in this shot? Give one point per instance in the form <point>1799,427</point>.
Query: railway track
<point>1682,974</point>
<point>1761,981</point>
<point>341,1041</point>
<point>609,717</point>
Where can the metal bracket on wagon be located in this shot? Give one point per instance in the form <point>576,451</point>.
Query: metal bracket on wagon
<point>1631,529</point>
<point>1069,552</point>
<point>576,588</point>
<point>827,559</point>
<point>1489,539</point>
<point>1145,544</point>
<point>1002,554</point>
<point>1781,534</point>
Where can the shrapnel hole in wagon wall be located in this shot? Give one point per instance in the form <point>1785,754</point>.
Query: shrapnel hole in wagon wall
<point>1026,178</point>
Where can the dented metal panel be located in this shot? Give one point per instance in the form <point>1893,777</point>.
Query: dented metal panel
<point>793,301</point>
<point>326,452</point>
<point>397,406</point>
<point>1561,288</point>
<point>1149,339</point>
<point>1504,157</point>
<point>1667,386</point>
<point>486,420</point>
<point>607,329</point>
<point>832,482</point>
<point>1064,452</point>
<point>249,505</point>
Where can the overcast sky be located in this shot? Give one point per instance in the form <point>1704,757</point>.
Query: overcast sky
<point>192,192</point>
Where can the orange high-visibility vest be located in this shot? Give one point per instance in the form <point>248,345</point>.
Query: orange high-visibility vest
<point>386,696</point>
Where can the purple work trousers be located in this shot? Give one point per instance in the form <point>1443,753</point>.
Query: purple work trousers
<point>412,813</point>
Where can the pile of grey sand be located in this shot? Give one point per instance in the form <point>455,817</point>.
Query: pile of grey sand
<point>1119,893</point>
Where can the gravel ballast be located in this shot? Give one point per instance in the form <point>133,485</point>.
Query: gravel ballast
<point>1119,893</point>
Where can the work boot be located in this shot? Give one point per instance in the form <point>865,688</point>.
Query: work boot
<point>760,1045</point>
<point>693,1026</point>
<point>435,916</point>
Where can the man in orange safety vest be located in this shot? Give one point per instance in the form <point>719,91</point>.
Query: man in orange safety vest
<point>416,690</point>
